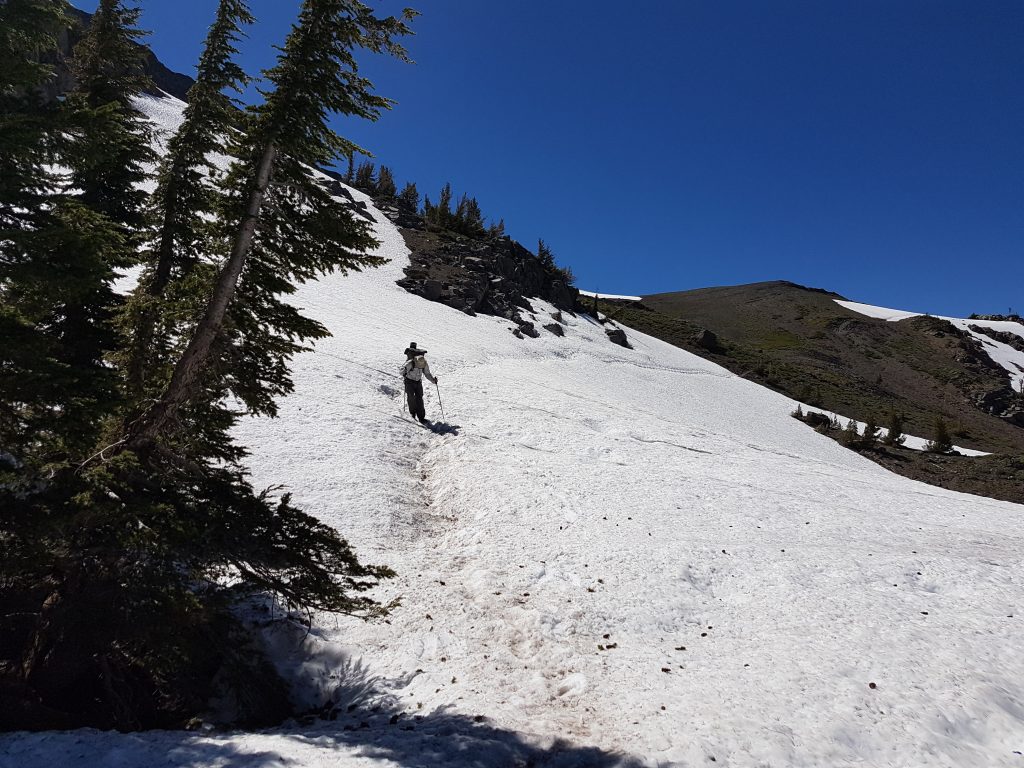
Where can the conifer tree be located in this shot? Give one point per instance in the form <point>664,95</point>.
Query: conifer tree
<point>409,198</point>
<point>303,231</point>
<point>366,178</point>
<point>497,230</point>
<point>440,216</point>
<point>546,257</point>
<point>128,559</point>
<point>186,201</point>
<point>113,137</point>
<point>33,384</point>
<point>850,435</point>
<point>941,441</point>
<point>385,186</point>
<point>894,434</point>
<point>870,437</point>
<point>473,220</point>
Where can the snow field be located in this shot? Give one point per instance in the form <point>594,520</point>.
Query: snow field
<point>623,557</point>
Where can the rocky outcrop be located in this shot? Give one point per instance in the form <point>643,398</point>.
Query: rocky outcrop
<point>487,275</point>
<point>618,336</point>
<point>705,339</point>
<point>1005,403</point>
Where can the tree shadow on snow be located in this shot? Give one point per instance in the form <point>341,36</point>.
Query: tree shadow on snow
<point>362,717</point>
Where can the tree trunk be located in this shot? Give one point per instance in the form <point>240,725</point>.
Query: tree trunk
<point>186,375</point>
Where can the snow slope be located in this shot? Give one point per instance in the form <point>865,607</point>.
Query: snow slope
<point>1003,354</point>
<point>623,557</point>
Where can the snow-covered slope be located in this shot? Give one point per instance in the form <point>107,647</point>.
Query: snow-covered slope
<point>622,555</point>
<point>1003,354</point>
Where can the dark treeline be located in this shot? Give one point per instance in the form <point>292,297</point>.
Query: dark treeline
<point>129,533</point>
<point>462,217</point>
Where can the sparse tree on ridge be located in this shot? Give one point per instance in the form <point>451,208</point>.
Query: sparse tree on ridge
<point>385,186</point>
<point>409,198</point>
<point>544,254</point>
<point>439,216</point>
<point>366,176</point>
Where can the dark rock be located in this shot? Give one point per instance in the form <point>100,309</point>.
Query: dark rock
<point>618,336</point>
<point>529,330</point>
<point>432,290</point>
<point>705,339</point>
<point>555,328</point>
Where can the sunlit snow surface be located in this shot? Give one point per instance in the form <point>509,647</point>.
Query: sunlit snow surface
<point>746,577</point>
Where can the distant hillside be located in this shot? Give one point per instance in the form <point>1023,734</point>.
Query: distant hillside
<point>800,342</point>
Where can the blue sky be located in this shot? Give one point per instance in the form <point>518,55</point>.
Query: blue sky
<point>872,147</point>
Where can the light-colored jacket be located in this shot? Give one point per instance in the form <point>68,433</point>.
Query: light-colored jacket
<point>414,373</point>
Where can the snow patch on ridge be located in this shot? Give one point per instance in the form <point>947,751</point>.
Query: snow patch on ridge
<point>1009,358</point>
<point>612,296</point>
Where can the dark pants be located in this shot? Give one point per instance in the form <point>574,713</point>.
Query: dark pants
<point>414,394</point>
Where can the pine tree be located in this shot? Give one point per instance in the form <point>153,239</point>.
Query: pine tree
<point>186,201</point>
<point>385,186</point>
<point>365,178</point>
<point>894,434</point>
<point>33,384</point>
<point>440,216</point>
<point>941,441</point>
<point>303,230</point>
<point>546,257</point>
<point>497,230</point>
<point>798,412</point>
<point>473,223</point>
<point>158,533</point>
<point>113,138</point>
<point>870,437</point>
<point>409,198</point>
<point>850,436</point>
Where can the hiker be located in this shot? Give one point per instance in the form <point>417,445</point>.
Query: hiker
<point>413,371</point>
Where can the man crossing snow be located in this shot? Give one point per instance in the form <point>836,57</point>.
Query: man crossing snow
<point>413,371</point>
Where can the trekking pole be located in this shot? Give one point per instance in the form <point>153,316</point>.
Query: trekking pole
<point>439,399</point>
